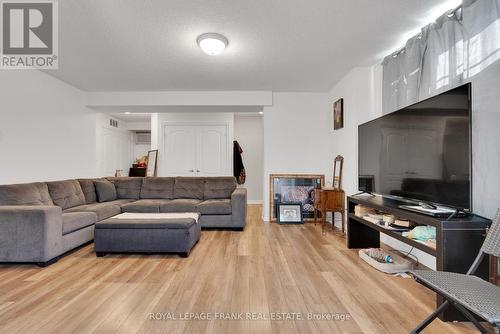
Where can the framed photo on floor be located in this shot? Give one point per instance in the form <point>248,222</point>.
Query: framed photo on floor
<point>290,213</point>
<point>294,188</point>
<point>152,163</point>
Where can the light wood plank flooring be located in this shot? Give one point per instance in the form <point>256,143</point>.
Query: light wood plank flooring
<point>268,269</point>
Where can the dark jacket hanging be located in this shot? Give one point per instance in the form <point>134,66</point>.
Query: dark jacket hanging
<point>238,168</point>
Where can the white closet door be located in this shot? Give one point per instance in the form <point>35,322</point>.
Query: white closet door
<point>212,152</point>
<point>196,149</point>
<point>180,150</point>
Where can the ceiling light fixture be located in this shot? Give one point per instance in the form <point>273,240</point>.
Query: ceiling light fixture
<point>212,43</point>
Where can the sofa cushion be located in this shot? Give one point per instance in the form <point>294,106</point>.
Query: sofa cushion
<point>219,187</point>
<point>158,187</point>
<point>103,210</point>
<point>127,187</point>
<point>25,194</point>
<point>66,194</point>
<point>144,205</point>
<point>189,187</point>
<point>73,221</point>
<point>180,205</point>
<point>215,207</point>
<point>88,189</point>
<point>105,191</point>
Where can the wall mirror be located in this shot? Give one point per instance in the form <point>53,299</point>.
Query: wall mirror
<point>338,164</point>
<point>152,162</point>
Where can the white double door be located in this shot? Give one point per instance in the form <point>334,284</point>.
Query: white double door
<point>196,150</point>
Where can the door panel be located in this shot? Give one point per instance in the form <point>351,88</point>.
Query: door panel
<point>180,150</point>
<point>212,150</point>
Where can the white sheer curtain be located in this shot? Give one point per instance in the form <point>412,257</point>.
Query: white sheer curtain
<point>451,51</point>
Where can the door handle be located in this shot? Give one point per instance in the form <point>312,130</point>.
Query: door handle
<point>191,170</point>
<point>197,171</point>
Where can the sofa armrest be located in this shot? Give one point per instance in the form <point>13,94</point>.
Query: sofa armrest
<point>239,207</point>
<point>30,233</point>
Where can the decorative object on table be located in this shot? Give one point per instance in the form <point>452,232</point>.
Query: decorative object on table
<point>338,114</point>
<point>290,213</point>
<point>294,188</point>
<point>238,167</point>
<point>140,162</point>
<point>119,173</point>
<point>338,165</point>
<point>421,233</point>
<point>388,219</point>
<point>377,258</point>
<point>402,222</point>
<point>331,199</point>
<point>361,210</point>
<point>152,163</point>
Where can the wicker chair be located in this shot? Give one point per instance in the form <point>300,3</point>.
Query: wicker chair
<point>467,293</point>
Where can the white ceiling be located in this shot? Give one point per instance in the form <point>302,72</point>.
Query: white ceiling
<point>278,45</point>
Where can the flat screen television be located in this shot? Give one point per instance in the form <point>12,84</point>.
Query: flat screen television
<point>421,152</point>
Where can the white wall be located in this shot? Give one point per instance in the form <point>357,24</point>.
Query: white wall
<point>249,132</point>
<point>113,146</point>
<point>296,137</point>
<point>159,120</point>
<point>45,131</point>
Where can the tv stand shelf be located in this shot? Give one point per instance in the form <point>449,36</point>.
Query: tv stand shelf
<point>457,240</point>
<point>395,235</point>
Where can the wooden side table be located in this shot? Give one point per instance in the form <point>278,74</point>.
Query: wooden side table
<point>329,200</point>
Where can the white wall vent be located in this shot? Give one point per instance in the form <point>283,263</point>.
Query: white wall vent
<point>142,138</point>
<point>113,123</point>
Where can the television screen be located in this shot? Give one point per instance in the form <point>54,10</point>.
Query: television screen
<point>421,152</point>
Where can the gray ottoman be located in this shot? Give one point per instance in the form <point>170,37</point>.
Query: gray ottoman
<point>147,233</point>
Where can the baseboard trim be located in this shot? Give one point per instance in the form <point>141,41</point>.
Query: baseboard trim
<point>255,201</point>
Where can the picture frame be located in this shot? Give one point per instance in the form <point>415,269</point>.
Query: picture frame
<point>290,213</point>
<point>288,188</point>
<point>338,114</point>
<point>152,163</point>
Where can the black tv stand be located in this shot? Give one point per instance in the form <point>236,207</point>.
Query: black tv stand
<point>458,239</point>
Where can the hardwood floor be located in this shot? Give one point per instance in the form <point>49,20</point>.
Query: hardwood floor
<point>268,269</point>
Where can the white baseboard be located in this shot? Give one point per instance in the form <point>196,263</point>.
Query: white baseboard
<point>255,201</point>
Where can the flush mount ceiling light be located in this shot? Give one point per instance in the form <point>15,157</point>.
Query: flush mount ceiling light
<point>212,43</point>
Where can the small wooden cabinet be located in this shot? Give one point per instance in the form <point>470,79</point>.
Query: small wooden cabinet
<point>329,200</point>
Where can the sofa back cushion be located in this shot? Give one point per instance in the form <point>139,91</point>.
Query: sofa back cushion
<point>66,194</point>
<point>219,187</point>
<point>88,189</point>
<point>158,187</point>
<point>105,190</point>
<point>189,187</point>
<point>127,187</point>
<point>25,194</point>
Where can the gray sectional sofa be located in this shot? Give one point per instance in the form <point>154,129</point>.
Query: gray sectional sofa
<point>41,221</point>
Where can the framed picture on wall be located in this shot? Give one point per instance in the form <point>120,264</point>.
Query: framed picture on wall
<point>152,162</point>
<point>338,114</point>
